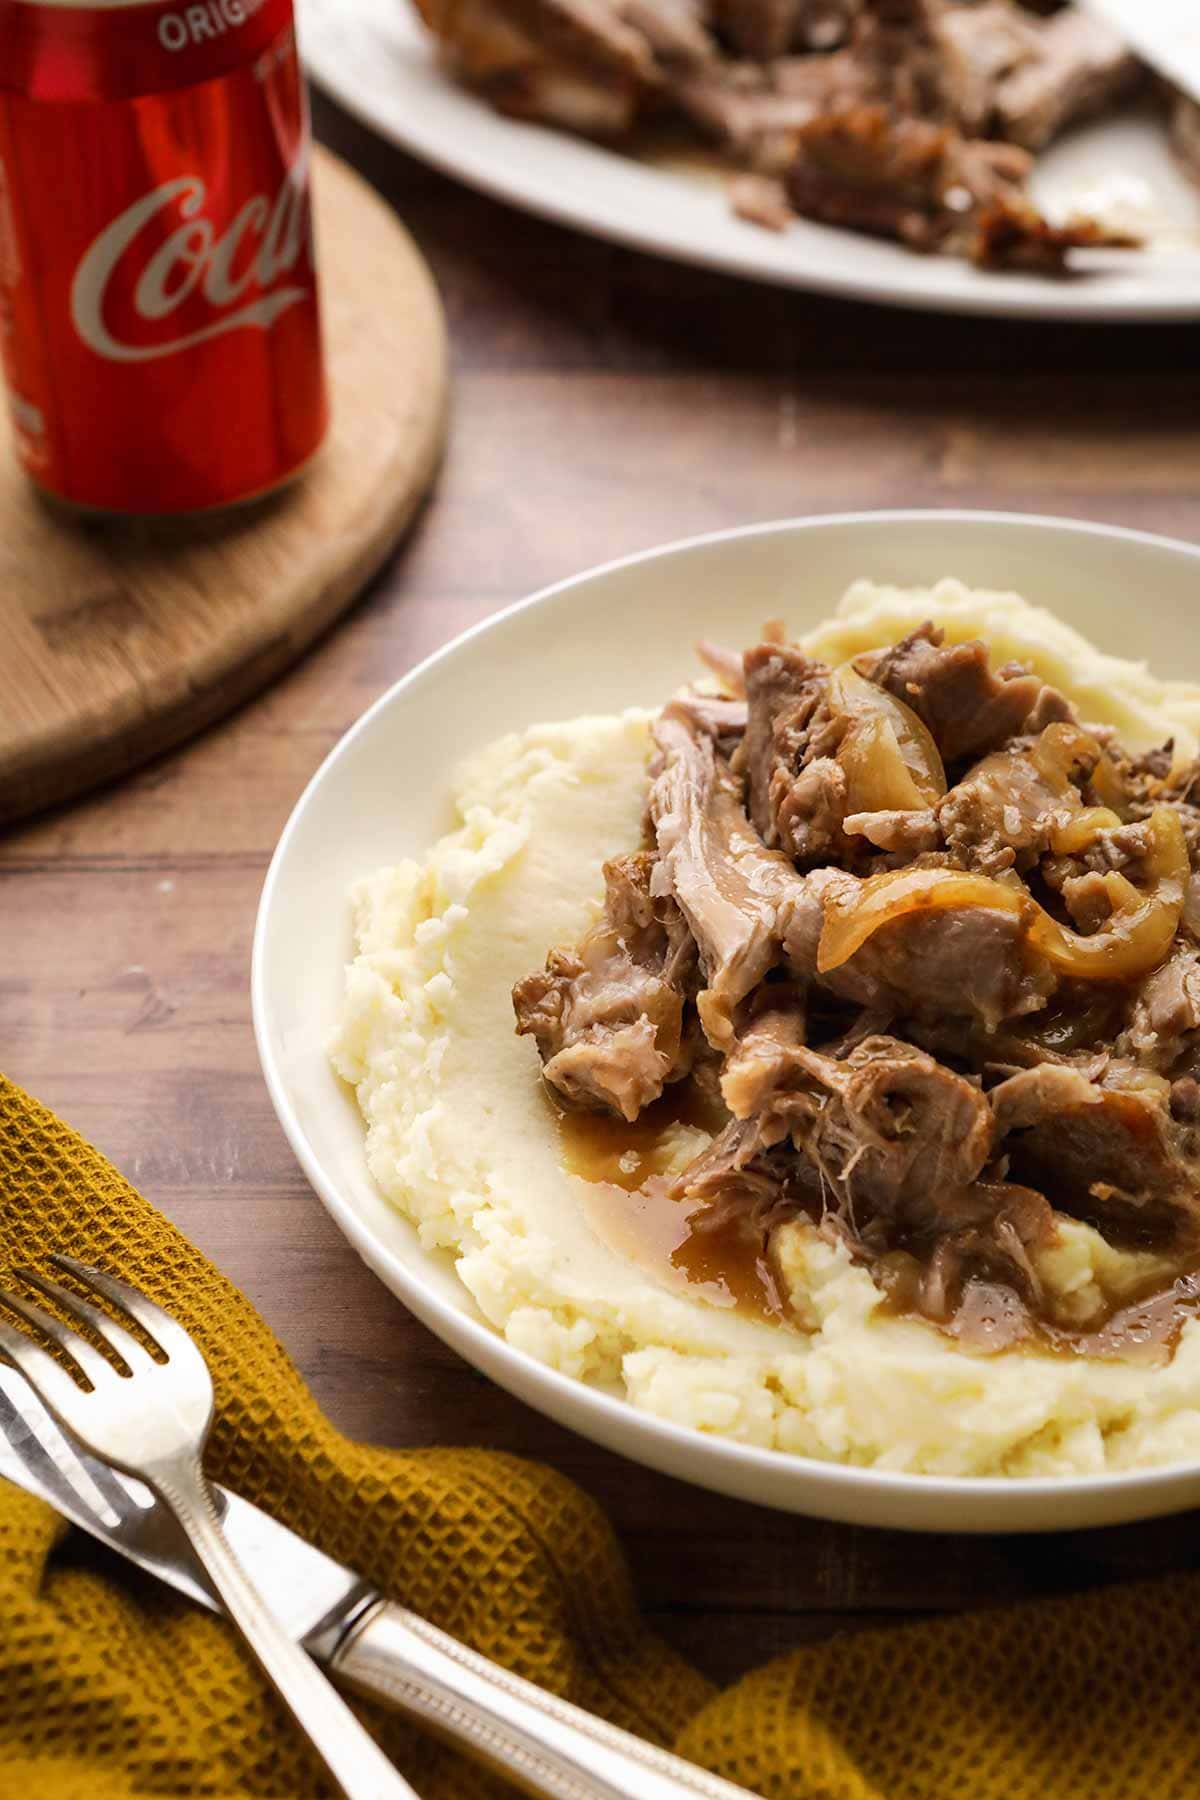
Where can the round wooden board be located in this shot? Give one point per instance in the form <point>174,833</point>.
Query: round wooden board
<point>120,638</point>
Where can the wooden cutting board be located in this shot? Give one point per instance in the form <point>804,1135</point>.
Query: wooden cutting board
<point>120,638</point>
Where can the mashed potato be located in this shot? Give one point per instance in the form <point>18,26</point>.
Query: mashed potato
<point>461,1138</point>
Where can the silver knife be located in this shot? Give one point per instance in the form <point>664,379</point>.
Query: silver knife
<point>543,1745</point>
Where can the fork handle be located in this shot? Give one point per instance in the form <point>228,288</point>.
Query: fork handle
<point>358,1766</point>
<point>542,1744</point>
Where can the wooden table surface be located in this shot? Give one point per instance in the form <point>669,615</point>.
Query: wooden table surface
<point>604,402</point>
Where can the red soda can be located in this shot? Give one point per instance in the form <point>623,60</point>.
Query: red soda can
<point>159,320</point>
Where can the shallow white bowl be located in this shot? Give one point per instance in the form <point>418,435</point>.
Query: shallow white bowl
<point>614,637</point>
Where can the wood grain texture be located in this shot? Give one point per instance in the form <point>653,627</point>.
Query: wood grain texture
<point>123,637</point>
<point>603,403</point>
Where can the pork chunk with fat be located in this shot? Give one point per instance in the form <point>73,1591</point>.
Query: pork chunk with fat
<point>969,709</point>
<point>785,694</point>
<point>965,962</point>
<point>1107,1149</point>
<point>730,887</point>
<point>1163,1032</point>
<point>890,1130</point>
<point>1004,812</point>
<point>608,1016</point>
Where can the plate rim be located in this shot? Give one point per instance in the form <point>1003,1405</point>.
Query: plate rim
<point>505,181</point>
<point>565,1393</point>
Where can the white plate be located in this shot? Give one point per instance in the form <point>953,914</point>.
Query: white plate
<point>377,59</point>
<point>620,636</point>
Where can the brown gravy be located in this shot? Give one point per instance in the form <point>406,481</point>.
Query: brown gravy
<point>1143,1330</point>
<point>633,1214</point>
<point>600,1147</point>
<point>729,1266</point>
<point>1139,1327</point>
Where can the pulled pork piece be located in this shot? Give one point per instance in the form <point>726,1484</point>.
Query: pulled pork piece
<point>1080,875</point>
<point>985,1240</point>
<point>1006,811</point>
<point>760,1060</point>
<point>1075,1028</point>
<point>903,833</point>
<point>1012,234</point>
<point>785,693</point>
<point>729,886</point>
<point>1086,899</point>
<point>733,1195</point>
<point>951,688</point>
<point>725,664</point>
<point>724,721</point>
<point>1163,1032</point>
<point>824,24</point>
<point>760,29</point>
<point>811,809</point>
<point>1152,766</point>
<point>989,69</point>
<point>1185,1100</point>
<point>589,65</point>
<point>1185,134</point>
<point>761,200</point>
<point>766,29</point>
<point>892,1134</point>
<point>965,962</point>
<point>676,30</point>
<point>1078,65</point>
<point>608,1017</point>
<point>1108,1149</point>
<point>895,43</point>
<point>755,109</point>
<point>891,1142</point>
<point>909,178</point>
<point>820,748</point>
<point>865,168</point>
<point>983,48</point>
<point>1181,792</point>
<point>1036,1094</point>
<point>728,1154</point>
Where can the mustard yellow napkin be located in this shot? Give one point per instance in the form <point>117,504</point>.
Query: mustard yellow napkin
<point>111,1688</point>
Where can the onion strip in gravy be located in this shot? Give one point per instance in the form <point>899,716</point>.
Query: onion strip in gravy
<point>1136,936</point>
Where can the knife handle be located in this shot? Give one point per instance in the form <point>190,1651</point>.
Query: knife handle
<point>545,1746</point>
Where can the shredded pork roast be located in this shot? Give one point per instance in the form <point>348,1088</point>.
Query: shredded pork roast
<point>910,119</point>
<point>929,942</point>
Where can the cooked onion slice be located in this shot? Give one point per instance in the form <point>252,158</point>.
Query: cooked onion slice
<point>1141,927</point>
<point>1063,750</point>
<point>890,760</point>
<point>1070,835</point>
<point>1136,936</point>
<point>852,919</point>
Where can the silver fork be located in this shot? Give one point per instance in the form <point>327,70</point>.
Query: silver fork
<point>152,1422</point>
<point>542,1743</point>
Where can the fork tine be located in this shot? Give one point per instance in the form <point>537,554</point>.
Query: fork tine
<point>110,1331</point>
<point>93,1362</point>
<point>48,1379</point>
<point>158,1325</point>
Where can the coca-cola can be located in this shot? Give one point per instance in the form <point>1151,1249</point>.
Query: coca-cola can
<point>159,319</point>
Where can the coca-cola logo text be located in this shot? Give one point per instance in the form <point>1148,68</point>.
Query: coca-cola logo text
<point>261,244</point>
<point>199,24</point>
